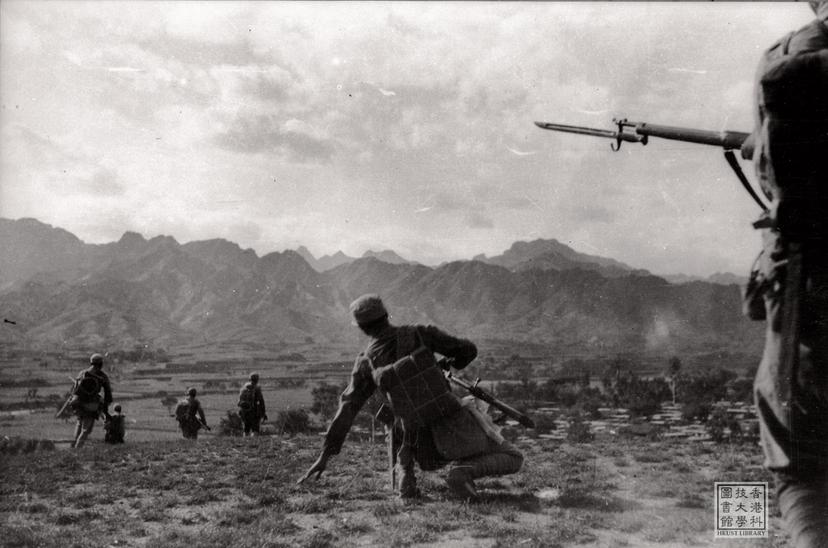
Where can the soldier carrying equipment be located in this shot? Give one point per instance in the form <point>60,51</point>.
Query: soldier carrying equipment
<point>190,415</point>
<point>252,406</point>
<point>428,425</point>
<point>85,401</point>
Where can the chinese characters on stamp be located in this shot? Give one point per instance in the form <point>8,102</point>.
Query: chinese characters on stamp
<point>741,509</point>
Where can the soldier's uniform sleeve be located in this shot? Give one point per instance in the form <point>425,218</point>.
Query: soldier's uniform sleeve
<point>462,351</point>
<point>359,389</point>
<point>107,387</point>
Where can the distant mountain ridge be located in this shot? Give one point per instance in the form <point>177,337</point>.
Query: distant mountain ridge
<point>63,291</point>
<point>552,254</point>
<point>327,262</point>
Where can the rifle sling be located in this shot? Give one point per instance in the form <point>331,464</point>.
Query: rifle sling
<point>737,169</point>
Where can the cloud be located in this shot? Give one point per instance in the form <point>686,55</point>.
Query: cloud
<point>263,85</point>
<point>478,220</point>
<point>687,70</point>
<point>293,139</point>
<point>104,181</point>
<point>520,152</point>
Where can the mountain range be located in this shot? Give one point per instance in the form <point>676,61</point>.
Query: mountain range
<point>62,291</point>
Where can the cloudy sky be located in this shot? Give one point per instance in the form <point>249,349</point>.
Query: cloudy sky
<point>354,126</point>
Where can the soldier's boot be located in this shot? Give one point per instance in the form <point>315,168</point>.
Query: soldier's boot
<point>408,482</point>
<point>462,475</point>
<point>461,482</point>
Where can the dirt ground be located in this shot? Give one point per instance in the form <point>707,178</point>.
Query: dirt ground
<point>242,492</point>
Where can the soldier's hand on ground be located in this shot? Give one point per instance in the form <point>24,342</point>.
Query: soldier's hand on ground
<point>317,468</point>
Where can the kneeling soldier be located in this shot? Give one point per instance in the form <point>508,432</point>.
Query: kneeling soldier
<point>450,435</point>
<point>115,426</point>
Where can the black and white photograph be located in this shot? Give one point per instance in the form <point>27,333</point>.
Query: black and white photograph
<point>395,273</point>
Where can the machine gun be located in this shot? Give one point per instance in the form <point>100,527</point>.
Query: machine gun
<point>481,394</point>
<point>640,132</point>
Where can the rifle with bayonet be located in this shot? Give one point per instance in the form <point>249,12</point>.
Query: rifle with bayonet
<point>481,394</point>
<point>640,132</point>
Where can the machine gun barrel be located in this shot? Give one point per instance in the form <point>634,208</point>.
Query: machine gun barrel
<point>481,394</point>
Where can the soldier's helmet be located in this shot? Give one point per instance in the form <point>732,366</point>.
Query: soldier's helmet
<point>254,377</point>
<point>368,308</point>
<point>117,408</point>
<point>192,392</point>
<point>96,359</point>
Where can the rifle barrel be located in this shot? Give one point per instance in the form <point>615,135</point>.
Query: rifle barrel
<point>726,139</point>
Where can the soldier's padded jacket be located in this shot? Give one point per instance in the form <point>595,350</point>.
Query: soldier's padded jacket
<point>791,160</point>
<point>258,402</point>
<point>103,382</point>
<point>390,345</point>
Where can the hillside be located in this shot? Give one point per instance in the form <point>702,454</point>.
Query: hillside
<point>158,291</point>
<point>220,492</point>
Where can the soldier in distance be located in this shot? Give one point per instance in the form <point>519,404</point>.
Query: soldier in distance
<point>190,415</point>
<point>115,426</point>
<point>88,405</point>
<point>252,406</point>
<point>459,439</point>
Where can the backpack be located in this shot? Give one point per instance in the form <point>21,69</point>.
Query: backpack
<point>247,398</point>
<point>184,411</point>
<point>87,388</point>
<point>416,387</point>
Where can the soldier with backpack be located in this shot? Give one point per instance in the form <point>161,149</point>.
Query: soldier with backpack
<point>86,399</point>
<point>190,415</point>
<point>790,283</point>
<point>435,427</point>
<point>252,406</point>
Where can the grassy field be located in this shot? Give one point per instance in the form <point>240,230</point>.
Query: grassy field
<point>242,492</point>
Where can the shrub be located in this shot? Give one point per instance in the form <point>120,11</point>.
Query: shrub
<point>292,421</point>
<point>326,399</point>
<point>579,431</point>
<point>544,424</point>
<point>231,425</point>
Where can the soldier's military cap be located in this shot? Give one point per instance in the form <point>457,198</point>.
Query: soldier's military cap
<point>368,308</point>
<point>254,377</point>
<point>96,359</point>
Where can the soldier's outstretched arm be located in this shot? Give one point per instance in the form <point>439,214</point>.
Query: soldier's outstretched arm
<point>359,389</point>
<point>317,468</point>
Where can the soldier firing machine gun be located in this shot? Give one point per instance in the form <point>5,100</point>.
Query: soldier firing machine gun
<point>640,132</point>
